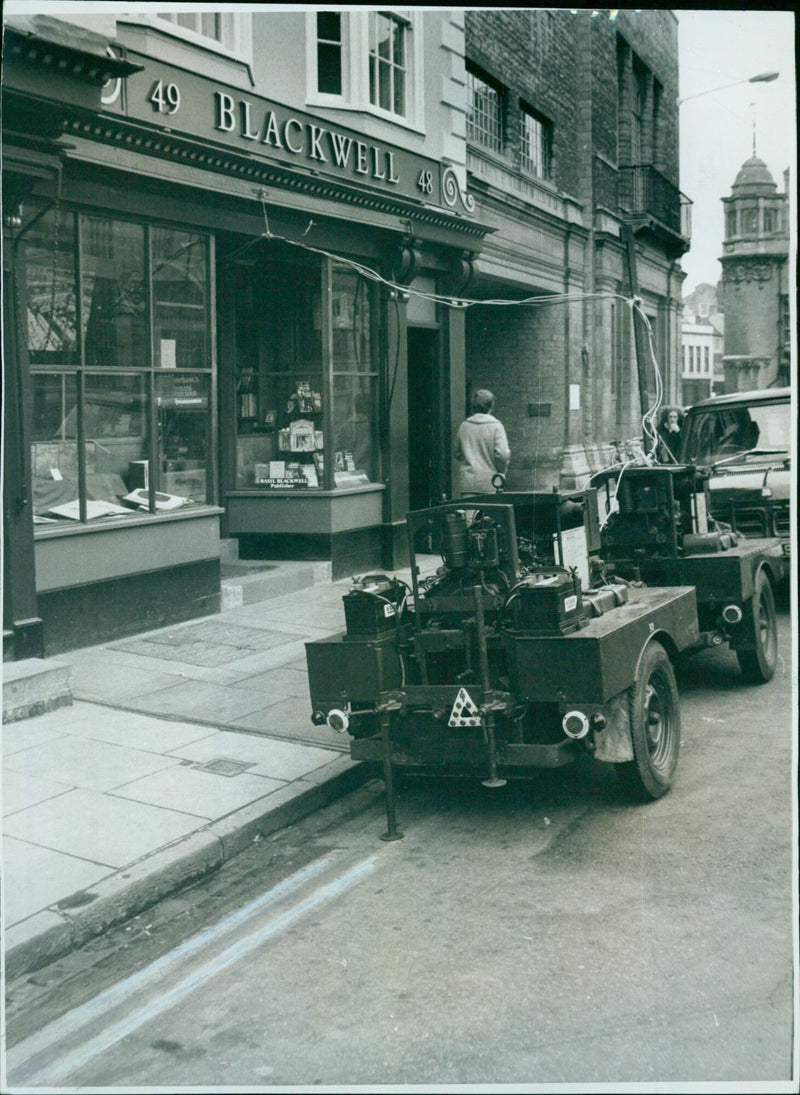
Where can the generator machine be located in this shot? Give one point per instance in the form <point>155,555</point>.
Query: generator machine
<point>541,636</point>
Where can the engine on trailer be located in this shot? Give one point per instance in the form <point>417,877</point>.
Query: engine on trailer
<point>517,651</point>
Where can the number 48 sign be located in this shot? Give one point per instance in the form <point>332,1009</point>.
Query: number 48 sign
<point>166,98</point>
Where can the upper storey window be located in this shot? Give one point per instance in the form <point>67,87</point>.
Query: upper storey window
<point>536,142</point>
<point>388,34</point>
<point>216,25</point>
<point>366,60</point>
<point>225,32</point>
<point>329,52</point>
<point>484,110</point>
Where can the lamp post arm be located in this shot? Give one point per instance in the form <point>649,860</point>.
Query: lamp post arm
<point>763,78</point>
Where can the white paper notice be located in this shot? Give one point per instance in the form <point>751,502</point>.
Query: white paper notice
<point>574,397</point>
<point>575,553</point>
<point>168,353</point>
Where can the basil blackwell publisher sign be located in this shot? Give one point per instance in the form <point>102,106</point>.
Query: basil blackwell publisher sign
<point>191,104</point>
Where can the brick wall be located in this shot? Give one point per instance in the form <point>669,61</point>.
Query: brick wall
<point>532,52</point>
<point>653,36</point>
<point>521,352</point>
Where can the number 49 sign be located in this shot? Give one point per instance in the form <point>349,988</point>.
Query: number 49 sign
<point>166,98</point>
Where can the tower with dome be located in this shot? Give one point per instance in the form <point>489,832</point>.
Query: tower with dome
<point>754,289</point>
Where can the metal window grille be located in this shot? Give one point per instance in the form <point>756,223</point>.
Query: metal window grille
<point>484,115</point>
<point>534,145</point>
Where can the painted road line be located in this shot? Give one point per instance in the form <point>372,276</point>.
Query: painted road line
<point>58,1050</point>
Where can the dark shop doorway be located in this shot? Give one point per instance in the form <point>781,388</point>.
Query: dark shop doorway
<point>425,472</point>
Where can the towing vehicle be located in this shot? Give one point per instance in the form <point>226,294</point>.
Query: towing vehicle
<point>744,439</point>
<point>541,636</point>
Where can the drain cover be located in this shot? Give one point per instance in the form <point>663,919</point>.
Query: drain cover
<point>224,766</point>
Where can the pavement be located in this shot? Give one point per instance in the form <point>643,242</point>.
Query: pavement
<point>180,747</point>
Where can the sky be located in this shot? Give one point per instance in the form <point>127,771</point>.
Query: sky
<point>717,48</point>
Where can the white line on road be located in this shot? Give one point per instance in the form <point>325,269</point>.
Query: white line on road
<point>58,1051</point>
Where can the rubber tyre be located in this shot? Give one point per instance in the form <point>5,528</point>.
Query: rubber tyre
<point>655,725</point>
<point>758,664</point>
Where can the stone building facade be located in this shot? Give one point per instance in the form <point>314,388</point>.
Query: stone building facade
<point>572,151</point>
<point>754,291</point>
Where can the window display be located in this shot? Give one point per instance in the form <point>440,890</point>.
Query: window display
<point>120,425</point>
<point>293,399</point>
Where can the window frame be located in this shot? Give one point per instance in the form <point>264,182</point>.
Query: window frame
<point>526,111</point>
<point>475,72</point>
<point>240,50</point>
<point>82,371</point>
<point>389,67</point>
<point>355,96</point>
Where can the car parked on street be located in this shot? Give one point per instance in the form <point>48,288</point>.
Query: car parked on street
<point>744,439</point>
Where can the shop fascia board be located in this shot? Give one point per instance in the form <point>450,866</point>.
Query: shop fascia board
<point>199,163</point>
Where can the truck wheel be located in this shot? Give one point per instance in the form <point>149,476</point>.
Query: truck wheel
<point>758,665</point>
<point>655,723</point>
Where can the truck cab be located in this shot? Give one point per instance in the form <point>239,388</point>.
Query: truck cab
<point>744,441</point>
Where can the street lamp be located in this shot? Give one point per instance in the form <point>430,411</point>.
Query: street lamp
<point>762,78</point>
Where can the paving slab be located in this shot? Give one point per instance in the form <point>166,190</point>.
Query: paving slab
<point>128,728</point>
<point>27,733</point>
<point>198,699</point>
<point>104,829</point>
<point>42,877</point>
<point>94,765</point>
<point>202,793</point>
<point>280,759</point>
<point>116,682</point>
<point>282,681</point>
<point>21,791</point>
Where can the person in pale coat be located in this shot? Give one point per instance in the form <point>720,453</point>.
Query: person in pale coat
<point>482,447</point>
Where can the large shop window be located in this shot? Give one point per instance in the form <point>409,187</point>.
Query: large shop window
<point>307,377</point>
<point>118,330</point>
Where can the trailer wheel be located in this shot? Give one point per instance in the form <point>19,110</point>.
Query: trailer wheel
<point>655,724</point>
<point>758,665</point>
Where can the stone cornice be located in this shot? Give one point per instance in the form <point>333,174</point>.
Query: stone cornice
<point>222,160</point>
<point>70,60</point>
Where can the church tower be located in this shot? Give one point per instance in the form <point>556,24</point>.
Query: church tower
<point>754,289</point>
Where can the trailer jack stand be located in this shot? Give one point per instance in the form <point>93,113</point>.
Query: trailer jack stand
<point>494,780</point>
<point>486,716</point>
<point>392,832</point>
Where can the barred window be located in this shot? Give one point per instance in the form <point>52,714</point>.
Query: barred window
<point>484,111</point>
<point>535,143</point>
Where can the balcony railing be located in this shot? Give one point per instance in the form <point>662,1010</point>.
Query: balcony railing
<point>643,191</point>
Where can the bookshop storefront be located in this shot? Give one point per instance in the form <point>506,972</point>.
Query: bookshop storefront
<point>205,346</point>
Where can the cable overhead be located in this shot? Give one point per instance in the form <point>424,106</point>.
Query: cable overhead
<point>649,418</point>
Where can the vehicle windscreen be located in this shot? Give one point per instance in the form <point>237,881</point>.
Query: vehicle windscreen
<point>717,433</point>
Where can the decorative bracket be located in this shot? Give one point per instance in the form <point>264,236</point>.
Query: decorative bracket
<point>406,261</point>
<point>452,193</point>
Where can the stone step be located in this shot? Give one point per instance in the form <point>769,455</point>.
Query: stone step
<point>248,582</point>
<point>229,551</point>
<point>34,686</point>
